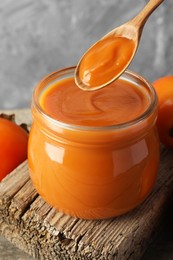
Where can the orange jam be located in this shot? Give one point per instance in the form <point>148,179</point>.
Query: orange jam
<point>116,104</point>
<point>105,59</point>
<point>93,155</point>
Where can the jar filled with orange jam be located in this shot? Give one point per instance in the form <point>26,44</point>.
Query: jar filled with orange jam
<point>93,154</point>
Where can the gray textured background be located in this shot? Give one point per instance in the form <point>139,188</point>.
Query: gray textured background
<point>41,36</point>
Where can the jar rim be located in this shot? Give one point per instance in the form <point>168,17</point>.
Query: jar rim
<point>138,119</point>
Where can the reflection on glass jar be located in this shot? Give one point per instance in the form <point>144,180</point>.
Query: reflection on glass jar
<point>93,172</point>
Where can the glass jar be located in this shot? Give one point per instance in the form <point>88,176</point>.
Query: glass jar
<point>93,172</point>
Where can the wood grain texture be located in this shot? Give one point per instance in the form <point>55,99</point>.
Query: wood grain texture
<point>31,224</point>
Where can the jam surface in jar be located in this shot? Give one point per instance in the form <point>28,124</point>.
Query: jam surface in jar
<point>118,103</point>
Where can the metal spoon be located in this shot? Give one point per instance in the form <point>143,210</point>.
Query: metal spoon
<point>131,30</point>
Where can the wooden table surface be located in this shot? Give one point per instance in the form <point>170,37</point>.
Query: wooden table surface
<point>161,247</point>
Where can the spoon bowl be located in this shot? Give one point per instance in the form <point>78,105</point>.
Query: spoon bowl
<point>99,67</point>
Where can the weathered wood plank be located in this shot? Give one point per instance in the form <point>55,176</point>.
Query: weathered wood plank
<point>34,226</point>
<point>11,185</point>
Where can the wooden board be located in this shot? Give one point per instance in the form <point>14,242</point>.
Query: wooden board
<point>31,224</point>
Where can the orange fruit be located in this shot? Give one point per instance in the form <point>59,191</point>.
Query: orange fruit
<point>13,143</point>
<point>164,89</point>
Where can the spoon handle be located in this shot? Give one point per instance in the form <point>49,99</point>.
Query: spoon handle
<point>142,17</point>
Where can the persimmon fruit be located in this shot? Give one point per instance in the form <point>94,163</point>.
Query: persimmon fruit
<point>13,146</point>
<point>164,89</point>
